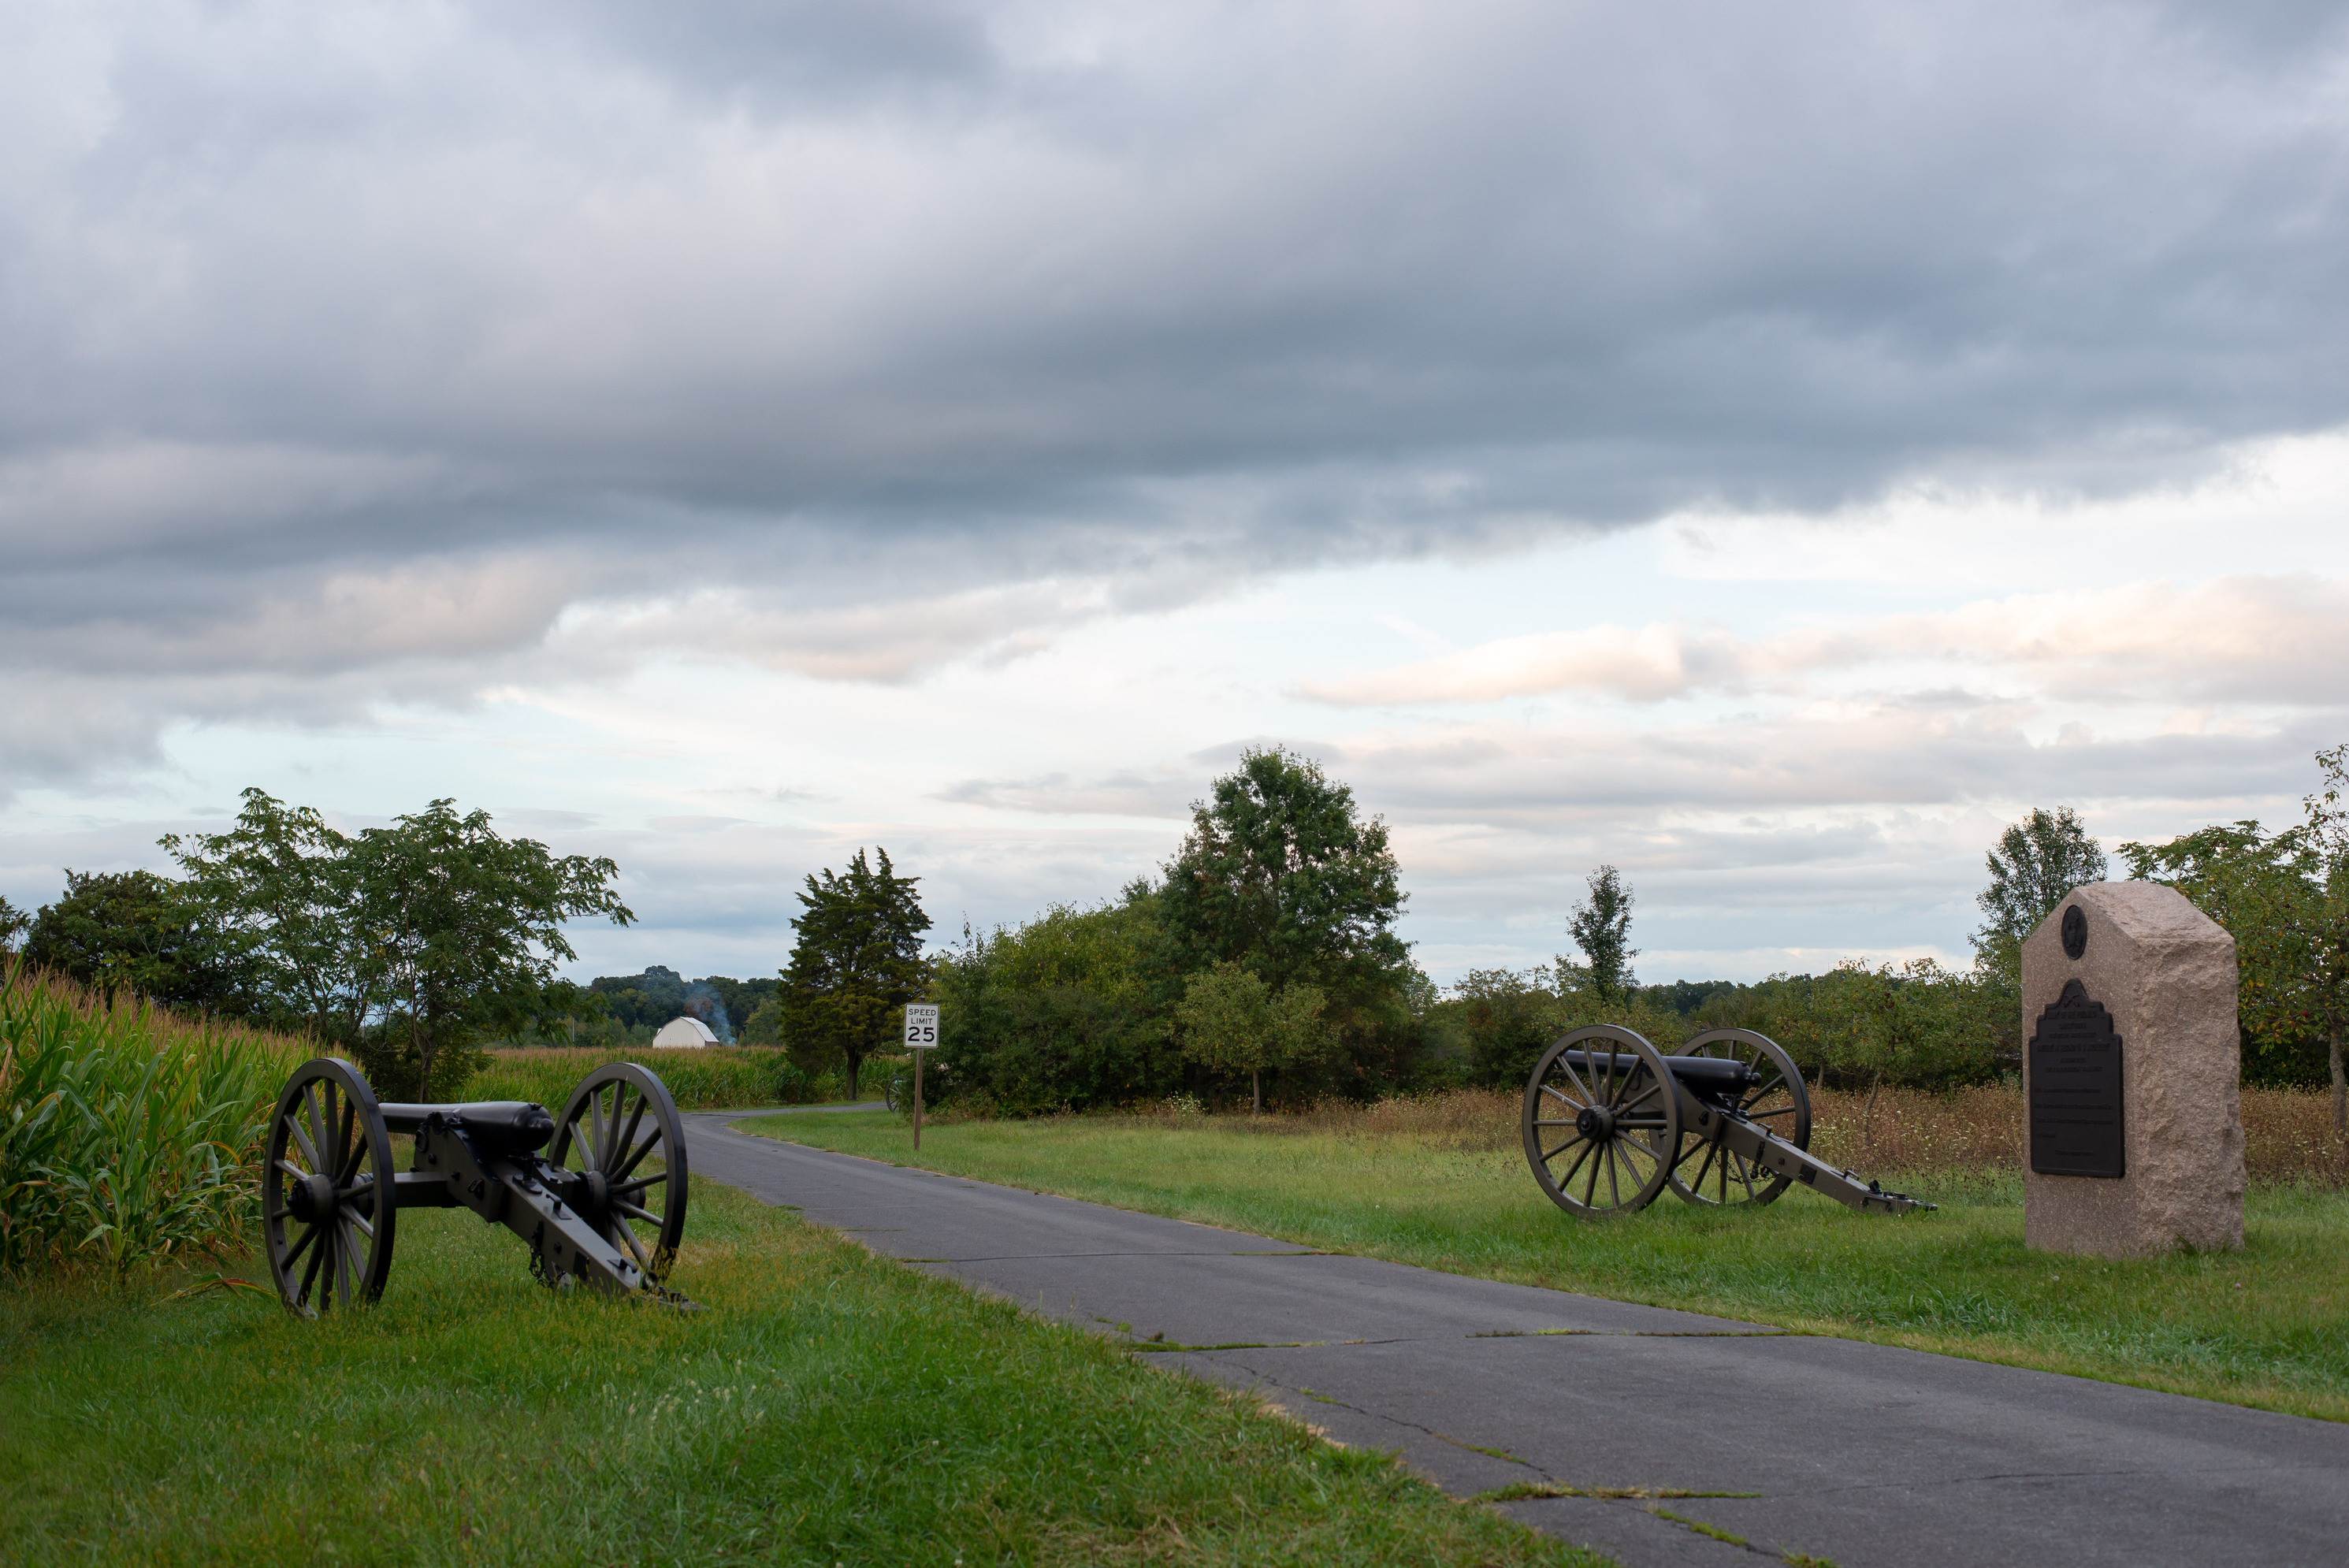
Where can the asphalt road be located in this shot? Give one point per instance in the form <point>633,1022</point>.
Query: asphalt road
<point>1860,1453</point>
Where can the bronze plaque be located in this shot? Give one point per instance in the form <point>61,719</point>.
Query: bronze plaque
<point>2076,1089</point>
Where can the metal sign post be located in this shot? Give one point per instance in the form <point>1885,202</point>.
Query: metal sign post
<point>921,1035</point>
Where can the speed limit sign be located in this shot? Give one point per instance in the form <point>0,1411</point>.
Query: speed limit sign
<point>921,1035</point>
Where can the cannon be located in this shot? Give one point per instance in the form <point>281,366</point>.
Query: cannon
<point>1611,1121</point>
<point>602,1207</point>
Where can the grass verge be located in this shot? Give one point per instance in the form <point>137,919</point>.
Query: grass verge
<point>827,1407</point>
<point>2262,1328</point>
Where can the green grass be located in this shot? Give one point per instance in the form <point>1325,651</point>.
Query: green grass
<point>826,1408</point>
<point>2267,1327</point>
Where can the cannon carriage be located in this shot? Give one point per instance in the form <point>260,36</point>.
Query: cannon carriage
<point>1611,1122</point>
<point>602,1206</point>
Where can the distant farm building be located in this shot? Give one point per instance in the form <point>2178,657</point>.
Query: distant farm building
<point>686,1034</point>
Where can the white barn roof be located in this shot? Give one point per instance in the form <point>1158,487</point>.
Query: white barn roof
<point>683,1034</point>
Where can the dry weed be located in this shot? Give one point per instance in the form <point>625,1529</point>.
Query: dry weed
<point>2288,1133</point>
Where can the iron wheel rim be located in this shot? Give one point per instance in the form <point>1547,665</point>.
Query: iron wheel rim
<point>620,1117</point>
<point>1631,1153</point>
<point>327,1122</point>
<point>1778,1100</point>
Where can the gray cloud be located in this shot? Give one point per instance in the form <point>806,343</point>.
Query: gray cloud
<point>392,336</point>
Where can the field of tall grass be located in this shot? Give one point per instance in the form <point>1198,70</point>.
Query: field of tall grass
<point>128,1133</point>
<point>2287,1135</point>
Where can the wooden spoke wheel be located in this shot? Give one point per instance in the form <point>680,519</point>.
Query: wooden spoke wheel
<point>328,1199</point>
<point>1601,1122</point>
<point>1706,1173</point>
<point>620,1133</point>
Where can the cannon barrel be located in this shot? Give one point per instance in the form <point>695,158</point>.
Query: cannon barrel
<point>495,1126</point>
<point>1716,1079</point>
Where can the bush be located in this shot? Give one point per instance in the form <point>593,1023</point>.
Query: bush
<point>1509,1017</point>
<point>387,1054</point>
<point>1916,1026</point>
<point>1054,1015</point>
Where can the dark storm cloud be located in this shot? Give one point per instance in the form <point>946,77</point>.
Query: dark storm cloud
<point>550,306</point>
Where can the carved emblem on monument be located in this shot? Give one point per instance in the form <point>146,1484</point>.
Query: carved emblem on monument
<point>2076,1088</point>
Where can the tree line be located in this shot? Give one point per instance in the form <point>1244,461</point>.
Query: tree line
<point>1261,962</point>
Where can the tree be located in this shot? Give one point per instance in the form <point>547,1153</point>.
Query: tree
<point>2255,884</point>
<point>279,895</point>
<point>765,1026</point>
<point>464,928</point>
<point>132,931</point>
<point>14,923</point>
<point>2285,900</point>
<point>2036,862</point>
<point>1061,1013</point>
<point>857,962</point>
<point>2325,910</point>
<point>1281,875</point>
<point>1233,1022</point>
<point>1601,927</point>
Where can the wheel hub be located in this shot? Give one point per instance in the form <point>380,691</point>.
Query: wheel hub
<point>312,1197</point>
<point>1595,1122</point>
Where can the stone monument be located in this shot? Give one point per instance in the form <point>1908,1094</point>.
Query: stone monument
<point>2130,1066</point>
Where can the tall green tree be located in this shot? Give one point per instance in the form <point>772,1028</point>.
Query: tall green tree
<point>857,962</point>
<point>1281,873</point>
<point>464,928</point>
<point>1601,927</point>
<point>280,895</point>
<point>2036,862</point>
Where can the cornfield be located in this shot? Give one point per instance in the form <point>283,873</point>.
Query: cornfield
<point>128,1134</point>
<point>710,1080</point>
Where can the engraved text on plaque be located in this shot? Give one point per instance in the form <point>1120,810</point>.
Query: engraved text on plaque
<point>2076,1089</point>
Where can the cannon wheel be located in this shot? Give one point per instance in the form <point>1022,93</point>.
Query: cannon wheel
<point>324,1218</point>
<point>618,1117</point>
<point>1706,1174</point>
<point>1601,1139</point>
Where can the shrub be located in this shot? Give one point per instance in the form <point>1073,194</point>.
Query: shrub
<point>1055,1014</point>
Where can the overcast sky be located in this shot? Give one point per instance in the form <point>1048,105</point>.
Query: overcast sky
<point>1768,449</point>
